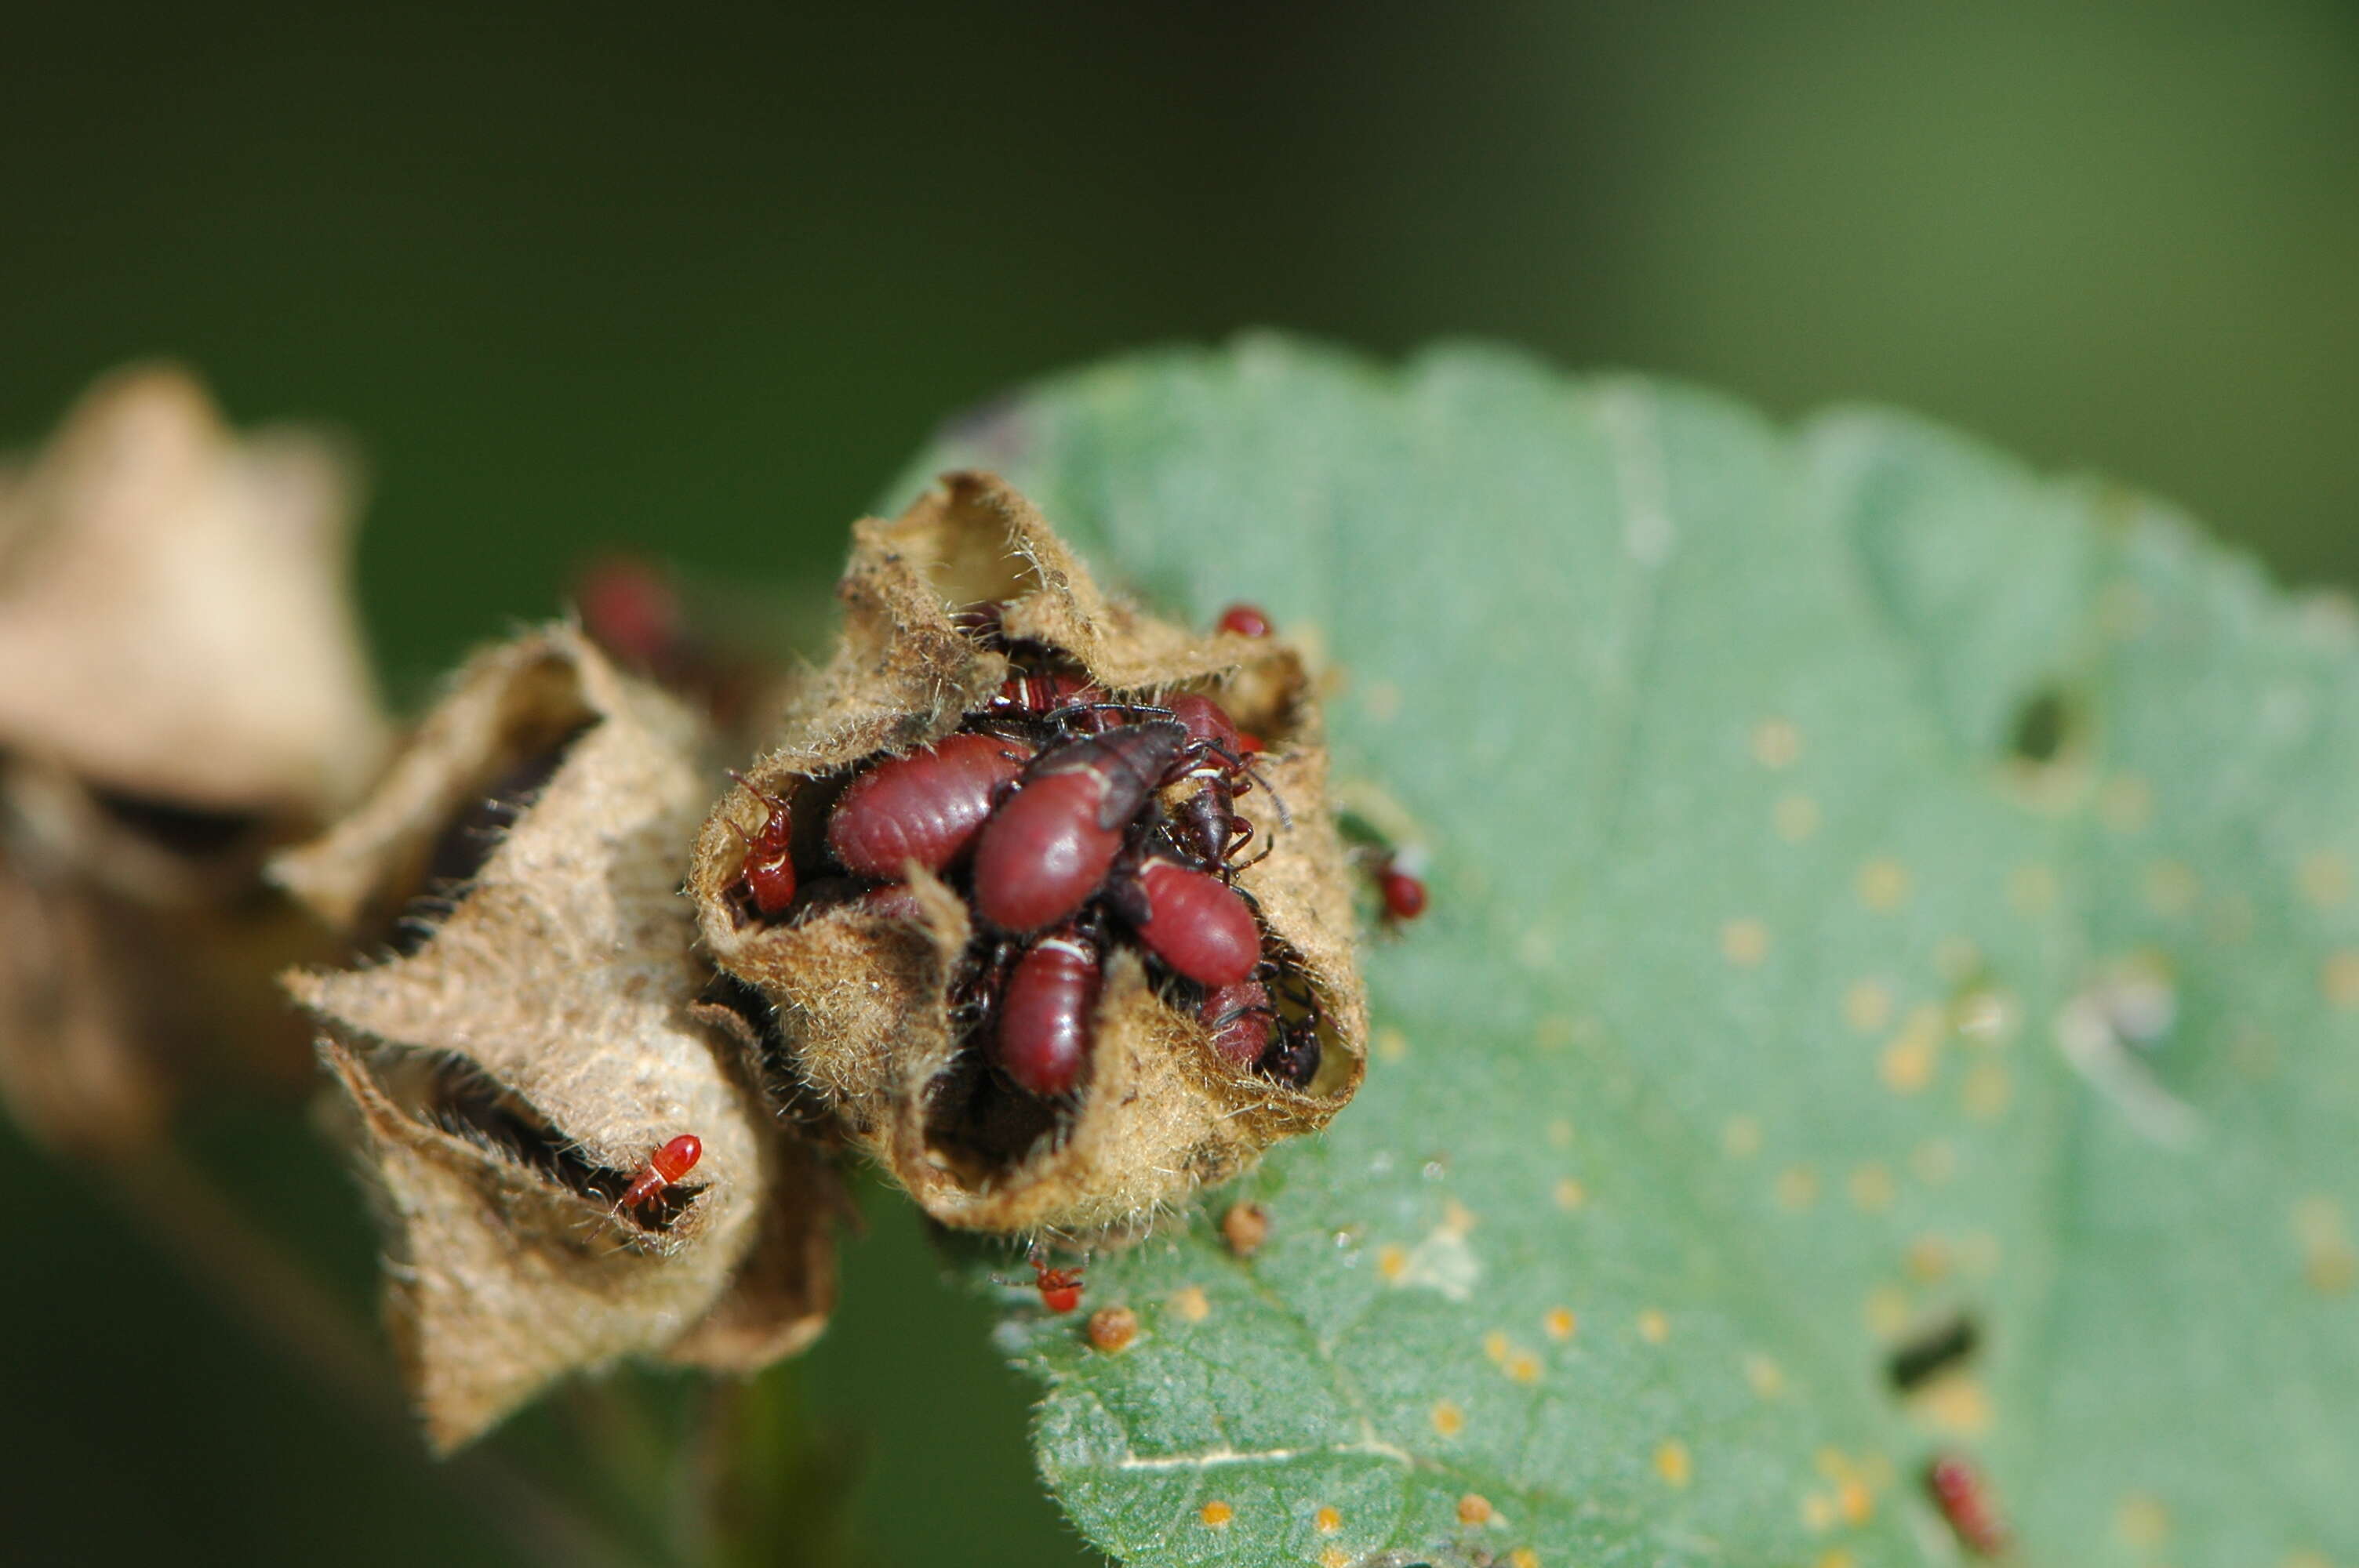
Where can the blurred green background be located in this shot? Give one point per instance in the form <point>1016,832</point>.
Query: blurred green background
<point>587,275</point>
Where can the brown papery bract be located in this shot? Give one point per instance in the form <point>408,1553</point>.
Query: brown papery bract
<point>182,687</point>
<point>863,998</point>
<point>531,1032</point>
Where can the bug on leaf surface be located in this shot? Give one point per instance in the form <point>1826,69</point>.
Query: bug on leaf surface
<point>664,1166</point>
<point>927,806</point>
<point>1045,1012</point>
<point>1246,621</point>
<point>1962,1493</point>
<point>1404,894</point>
<point>1060,1289</point>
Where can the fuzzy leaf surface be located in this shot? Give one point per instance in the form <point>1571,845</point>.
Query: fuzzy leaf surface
<point>1871,884</point>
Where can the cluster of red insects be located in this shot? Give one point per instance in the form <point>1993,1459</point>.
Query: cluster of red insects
<point>1047,810</point>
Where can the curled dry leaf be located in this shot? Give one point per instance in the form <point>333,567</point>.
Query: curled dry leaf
<point>182,685</point>
<point>884,1003</point>
<point>531,1041</point>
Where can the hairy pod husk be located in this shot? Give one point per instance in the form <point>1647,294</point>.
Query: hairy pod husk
<point>862,1001</point>
<point>182,687</point>
<point>534,1035</point>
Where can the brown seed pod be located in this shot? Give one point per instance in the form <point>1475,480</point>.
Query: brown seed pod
<point>182,687</point>
<point>532,1043</point>
<point>865,998</point>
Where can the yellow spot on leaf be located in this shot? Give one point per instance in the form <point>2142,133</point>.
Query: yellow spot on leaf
<point>1392,1262</point>
<point>1495,1345</point>
<point>1857,1503</point>
<point>1934,1161</point>
<point>1838,1558</point>
<point>1523,1366</point>
<point>1907,1063</point>
<point>1796,818</point>
<point>1216,1515</point>
<point>1883,885</point>
<point>1885,1312</point>
<point>2172,888</point>
<point>2338,977</point>
<point>1327,1521</point>
<point>1987,1090</point>
<point>1449,1421</point>
<point>1767,1378</point>
<point>1560,1133</point>
<point>1957,1404</point>
<point>2031,890</point>
<point>1474,1508</point>
<point>1189,1303</point>
<point>1871,1189</point>
<point>1740,1139</point>
<point>1673,1463</point>
<point>1553,1033</point>
<point>2325,879</point>
<point>1653,1326</point>
<point>2142,1522</point>
<point>1777,743</point>
<point>1817,1513</point>
<point>1392,1045</point>
<point>1744,942</point>
<point>1560,1322</point>
<point>1457,1219</point>
<point>1798,1187</point>
<point>1525,1557</point>
<point>2304,1558</point>
<point>2329,1262</point>
<point>1867,1006</point>
<point>2125,804</point>
<point>1334,1557</point>
<point>1927,1259</point>
<point>1570,1195</point>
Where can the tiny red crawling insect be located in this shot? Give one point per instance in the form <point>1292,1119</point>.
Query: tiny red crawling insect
<point>1060,1289</point>
<point>1246,621</point>
<point>664,1166</point>
<point>927,806</point>
<point>1045,1013</point>
<point>1962,1494</point>
<point>1404,894</point>
<point>768,879</point>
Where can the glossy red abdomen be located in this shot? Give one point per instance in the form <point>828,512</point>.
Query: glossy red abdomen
<point>927,806</point>
<point>1198,925</point>
<point>1044,1015</point>
<point>1049,846</point>
<point>1238,1018</point>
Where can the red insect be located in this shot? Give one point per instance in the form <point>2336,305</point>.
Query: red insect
<point>664,1166</point>
<point>1404,894</point>
<point>927,806</point>
<point>1060,1289</point>
<point>1962,1494</point>
<point>1207,826</point>
<point>1045,1012</point>
<point>1246,621</point>
<point>1238,1018</point>
<point>767,878</point>
<point>1197,924</point>
<point>1046,851</point>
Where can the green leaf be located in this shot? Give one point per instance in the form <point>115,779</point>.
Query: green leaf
<point>1872,884</point>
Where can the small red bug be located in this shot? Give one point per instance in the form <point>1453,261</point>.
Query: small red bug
<point>927,806</point>
<point>630,609</point>
<point>767,878</point>
<point>1246,621</point>
<point>664,1166</point>
<point>1238,1018</point>
<point>1962,1494</point>
<point>1404,894</point>
<point>1045,1012</point>
<point>1198,924</point>
<point>1060,1289</point>
<point>1048,849</point>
